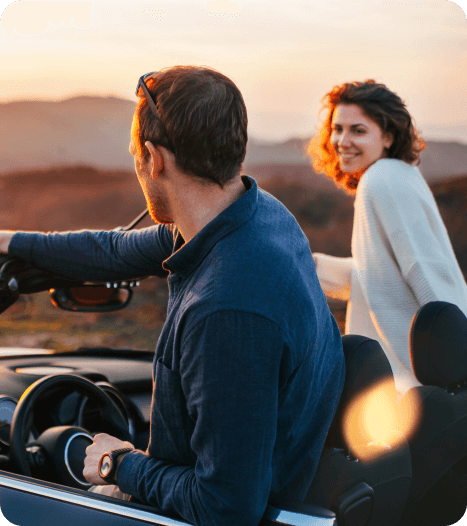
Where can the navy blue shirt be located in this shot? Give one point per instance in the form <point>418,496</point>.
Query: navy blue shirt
<point>248,369</point>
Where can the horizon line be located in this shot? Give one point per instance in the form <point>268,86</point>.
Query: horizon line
<point>255,137</point>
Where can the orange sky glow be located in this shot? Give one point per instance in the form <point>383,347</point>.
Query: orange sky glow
<point>284,56</point>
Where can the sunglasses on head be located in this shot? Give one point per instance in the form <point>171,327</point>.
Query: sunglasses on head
<point>141,84</point>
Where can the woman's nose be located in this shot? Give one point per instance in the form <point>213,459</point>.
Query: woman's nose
<point>344,139</point>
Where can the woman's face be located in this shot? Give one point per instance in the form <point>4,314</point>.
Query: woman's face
<point>357,140</point>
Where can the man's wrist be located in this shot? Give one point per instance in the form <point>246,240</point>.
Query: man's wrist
<point>110,462</point>
<point>119,461</point>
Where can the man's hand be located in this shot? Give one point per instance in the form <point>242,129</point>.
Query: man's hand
<point>110,491</point>
<point>102,443</point>
<point>5,238</point>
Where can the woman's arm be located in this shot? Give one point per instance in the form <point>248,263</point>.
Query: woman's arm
<point>334,275</point>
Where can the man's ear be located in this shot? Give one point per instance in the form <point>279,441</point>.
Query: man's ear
<point>156,158</point>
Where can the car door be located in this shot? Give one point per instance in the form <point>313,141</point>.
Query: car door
<point>28,502</point>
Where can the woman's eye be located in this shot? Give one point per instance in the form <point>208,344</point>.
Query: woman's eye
<point>359,131</point>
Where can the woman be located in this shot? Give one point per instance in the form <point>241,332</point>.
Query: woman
<point>401,254</point>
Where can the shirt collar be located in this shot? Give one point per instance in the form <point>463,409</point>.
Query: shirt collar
<point>187,256</point>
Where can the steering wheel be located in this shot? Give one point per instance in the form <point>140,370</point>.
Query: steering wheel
<point>60,448</point>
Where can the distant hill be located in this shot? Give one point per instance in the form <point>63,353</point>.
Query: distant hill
<point>292,151</point>
<point>92,131</point>
<point>439,161</point>
<point>95,131</point>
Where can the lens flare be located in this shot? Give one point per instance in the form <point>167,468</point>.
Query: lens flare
<point>375,424</point>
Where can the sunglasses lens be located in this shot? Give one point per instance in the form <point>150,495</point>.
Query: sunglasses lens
<point>142,79</point>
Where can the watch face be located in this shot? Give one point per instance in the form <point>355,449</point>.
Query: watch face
<point>105,466</point>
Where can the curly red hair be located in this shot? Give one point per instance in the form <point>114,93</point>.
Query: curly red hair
<point>382,106</point>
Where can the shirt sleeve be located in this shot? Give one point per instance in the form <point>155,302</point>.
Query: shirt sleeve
<point>334,275</point>
<point>96,255</point>
<point>230,385</point>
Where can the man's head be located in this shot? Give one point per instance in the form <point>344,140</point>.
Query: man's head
<point>201,118</point>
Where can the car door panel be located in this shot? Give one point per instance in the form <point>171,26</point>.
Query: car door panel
<point>26,502</point>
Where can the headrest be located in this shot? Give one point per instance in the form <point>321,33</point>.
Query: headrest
<point>438,344</point>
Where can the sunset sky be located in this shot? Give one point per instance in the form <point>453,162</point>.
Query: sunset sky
<point>284,55</point>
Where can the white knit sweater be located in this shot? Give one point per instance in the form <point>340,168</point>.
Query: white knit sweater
<point>401,259</point>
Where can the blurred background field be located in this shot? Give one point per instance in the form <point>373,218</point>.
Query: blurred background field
<point>77,197</point>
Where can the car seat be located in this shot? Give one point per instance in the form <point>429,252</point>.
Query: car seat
<point>362,492</point>
<point>438,349</point>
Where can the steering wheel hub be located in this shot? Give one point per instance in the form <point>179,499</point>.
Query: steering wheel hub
<point>65,448</point>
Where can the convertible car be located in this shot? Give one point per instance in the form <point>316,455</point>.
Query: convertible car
<point>51,404</point>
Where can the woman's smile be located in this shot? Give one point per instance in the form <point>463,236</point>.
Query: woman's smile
<point>357,140</point>
<point>347,156</point>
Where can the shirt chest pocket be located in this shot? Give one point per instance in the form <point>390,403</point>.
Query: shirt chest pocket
<point>171,427</point>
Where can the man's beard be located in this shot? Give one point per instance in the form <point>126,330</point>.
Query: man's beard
<point>158,210</point>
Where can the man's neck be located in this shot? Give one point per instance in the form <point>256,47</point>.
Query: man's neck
<point>194,204</point>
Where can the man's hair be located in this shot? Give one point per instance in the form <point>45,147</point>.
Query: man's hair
<point>379,104</point>
<point>201,119</point>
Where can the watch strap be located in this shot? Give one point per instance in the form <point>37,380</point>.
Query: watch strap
<point>117,452</point>
<point>114,454</point>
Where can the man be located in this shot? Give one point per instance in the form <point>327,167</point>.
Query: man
<point>249,366</point>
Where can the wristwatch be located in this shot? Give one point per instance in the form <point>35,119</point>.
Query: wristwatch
<point>108,464</point>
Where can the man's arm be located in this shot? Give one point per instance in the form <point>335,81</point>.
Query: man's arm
<point>229,373</point>
<point>93,255</point>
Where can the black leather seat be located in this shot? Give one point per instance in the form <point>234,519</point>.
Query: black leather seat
<point>438,347</point>
<point>362,492</point>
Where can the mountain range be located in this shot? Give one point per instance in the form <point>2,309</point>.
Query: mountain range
<point>95,131</point>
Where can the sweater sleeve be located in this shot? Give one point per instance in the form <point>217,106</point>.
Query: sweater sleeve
<point>231,390</point>
<point>334,275</point>
<point>406,210</point>
<point>96,255</point>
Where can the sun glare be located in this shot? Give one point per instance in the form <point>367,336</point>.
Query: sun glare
<point>374,423</point>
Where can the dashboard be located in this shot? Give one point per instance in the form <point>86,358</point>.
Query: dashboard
<point>125,376</point>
